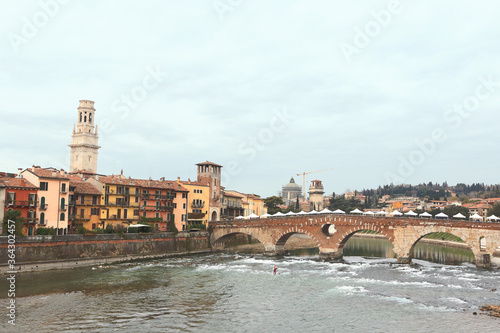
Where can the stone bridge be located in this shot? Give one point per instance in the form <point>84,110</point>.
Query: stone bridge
<point>332,231</point>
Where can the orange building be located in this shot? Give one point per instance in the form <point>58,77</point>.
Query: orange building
<point>21,195</point>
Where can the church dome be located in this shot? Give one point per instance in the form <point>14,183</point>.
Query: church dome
<point>292,186</point>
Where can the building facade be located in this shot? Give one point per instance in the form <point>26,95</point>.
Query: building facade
<point>198,199</point>
<point>53,196</point>
<point>84,141</point>
<point>84,205</point>
<point>20,194</point>
<point>232,205</point>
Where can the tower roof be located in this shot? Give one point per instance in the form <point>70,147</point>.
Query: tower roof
<point>209,163</point>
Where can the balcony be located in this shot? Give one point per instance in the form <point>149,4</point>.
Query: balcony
<point>17,203</point>
<point>198,205</point>
<point>64,207</point>
<point>43,206</point>
<point>196,216</point>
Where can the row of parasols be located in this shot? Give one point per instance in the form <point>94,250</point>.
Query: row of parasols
<point>474,217</point>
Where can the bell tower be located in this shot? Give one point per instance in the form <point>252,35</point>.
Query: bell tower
<point>316,192</point>
<point>210,173</point>
<point>84,147</point>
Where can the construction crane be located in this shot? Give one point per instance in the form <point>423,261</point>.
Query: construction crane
<point>303,174</point>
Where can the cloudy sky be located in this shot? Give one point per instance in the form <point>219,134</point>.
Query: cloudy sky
<point>380,91</point>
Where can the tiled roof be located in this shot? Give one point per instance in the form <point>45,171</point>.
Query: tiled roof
<point>16,183</point>
<point>193,183</point>
<point>209,163</point>
<point>82,187</point>
<point>233,194</point>
<point>48,173</point>
<point>146,183</point>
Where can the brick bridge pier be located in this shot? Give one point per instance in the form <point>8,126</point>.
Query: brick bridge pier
<point>332,231</point>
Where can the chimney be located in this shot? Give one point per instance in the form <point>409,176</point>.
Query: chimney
<point>178,179</point>
<point>19,170</point>
<point>54,173</point>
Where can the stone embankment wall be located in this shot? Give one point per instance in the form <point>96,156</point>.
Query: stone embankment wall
<point>48,248</point>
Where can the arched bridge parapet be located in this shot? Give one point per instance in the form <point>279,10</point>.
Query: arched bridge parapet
<point>402,232</point>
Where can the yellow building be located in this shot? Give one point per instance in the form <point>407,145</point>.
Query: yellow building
<point>251,203</point>
<point>120,200</point>
<point>232,205</point>
<point>198,200</point>
<point>84,205</point>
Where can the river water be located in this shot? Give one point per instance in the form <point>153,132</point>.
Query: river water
<point>239,293</point>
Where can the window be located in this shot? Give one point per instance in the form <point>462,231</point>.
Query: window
<point>143,214</point>
<point>184,205</point>
<point>31,214</point>
<point>63,187</point>
<point>90,117</point>
<point>32,199</point>
<point>42,218</point>
<point>62,217</point>
<point>42,203</point>
<point>63,203</point>
<point>81,116</point>
<point>184,195</point>
<point>82,213</point>
<point>82,200</point>
<point>136,212</point>
<point>145,203</point>
<point>183,217</point>
<point>125,213</point>
<point>11,197</point>
<point>44,186</point>
<point>136,199</point>
<point>119,213</point>
<point>94,200</point>
<point>157,215</point>
<point>158,204</point>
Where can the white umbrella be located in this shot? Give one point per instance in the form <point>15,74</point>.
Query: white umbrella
<point>290,213</point>
<point>441,215</point>
<point>411,213</point>
<point>265,216</point>
<point>279,214</point>
<point>493,217</point>
<point>325,211</point>
<point>301,213</point>
<point>338,211</point>
<point>396,213</point>
<point>459,216</point>
<point>425,214</point>
<point>369,213</point>
<point>252,216</point>
<point>356,211</point>
<point>381,213</point>
<point>313,212</point>
<point>476,217</point>
<point>239,217</point>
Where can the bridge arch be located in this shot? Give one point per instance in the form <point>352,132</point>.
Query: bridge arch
<point>283,237</point>
<point>343,240</point>
<point>469,243</point>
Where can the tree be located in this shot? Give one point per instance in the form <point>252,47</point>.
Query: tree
<point>454,210</point>
<point>297,204</point>
<point>272,202</point>
<point>14,215</point>
<point>495,210</point>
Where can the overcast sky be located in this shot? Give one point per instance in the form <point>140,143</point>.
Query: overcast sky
<point>381,91</point>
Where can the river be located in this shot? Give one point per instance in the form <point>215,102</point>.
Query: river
<point>239,293</point>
